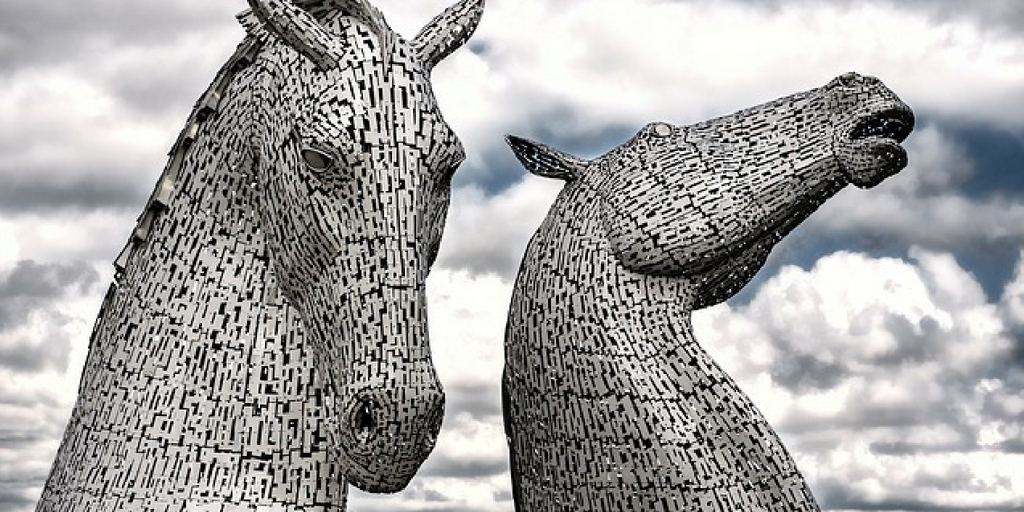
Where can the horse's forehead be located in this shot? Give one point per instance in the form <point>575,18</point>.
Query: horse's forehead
<point>361,105</point>
<point>664,147</point>
<point>400,85</point>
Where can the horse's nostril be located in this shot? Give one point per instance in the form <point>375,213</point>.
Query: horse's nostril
<point>363,421</point>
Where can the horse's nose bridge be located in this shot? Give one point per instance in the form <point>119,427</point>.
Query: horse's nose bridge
<point>402,228</point>
<point>400,263</point>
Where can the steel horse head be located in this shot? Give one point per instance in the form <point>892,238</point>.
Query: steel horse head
<point>708,201</point>
<point>353,161</point>
<point>609,401</point>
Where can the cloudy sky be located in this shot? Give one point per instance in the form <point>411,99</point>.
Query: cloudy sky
<point>884,339</point>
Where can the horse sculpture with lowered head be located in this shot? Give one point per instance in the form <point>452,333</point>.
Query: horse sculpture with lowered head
<point>610,403</point>
<point>265,340</point>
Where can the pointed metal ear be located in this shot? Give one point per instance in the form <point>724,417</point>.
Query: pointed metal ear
<point>447,32</point>
<point>546,161</point>
<point>300,30</point>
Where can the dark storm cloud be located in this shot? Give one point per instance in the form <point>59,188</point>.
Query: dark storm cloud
<point>916,341</point>
<point>29,192</point>
<point>15,438</point>
<point>998,155</point>
<point>31,285</point>
<point>1002,14</point>
<point>1017,335</point>
<point>872,411</point>
<point>835,494</point>
<point>481,402</point>
<point>30,288</point>
<point>907,448</point>
<point>1011,446</point>
<point>40,33</point>
<point>499,168</point>
<point>13,497</point>
<point>441,465</point>
<point>497,171</point>
<point>909,506</point>
<point>996,14</point>
<point>802,373</point>
<point>17,490</point>
<point>24,356</point>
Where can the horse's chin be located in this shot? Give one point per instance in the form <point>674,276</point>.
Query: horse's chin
<point>378,473</point>
<point>375,485</point>
<point>871,151</point>
<point>867,163</point>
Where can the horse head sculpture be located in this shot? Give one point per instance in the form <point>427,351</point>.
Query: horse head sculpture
<point>265,340</point>
<point>354,160</point>
<point>610,403</point>
<point>709,200</point>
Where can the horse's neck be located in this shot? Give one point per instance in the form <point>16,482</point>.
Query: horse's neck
<point>604,377</point>
<point>198,387</point>
<point>199,238</point>
<point>570,256</point>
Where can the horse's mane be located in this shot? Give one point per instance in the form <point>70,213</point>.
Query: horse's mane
<point>209,103</point>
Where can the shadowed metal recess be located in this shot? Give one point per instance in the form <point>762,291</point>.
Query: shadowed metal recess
<point>265,341</point>
<point>610,403</point>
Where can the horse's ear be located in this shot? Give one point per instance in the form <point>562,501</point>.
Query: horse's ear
<point>448,31</point>
<point>546,161</point>
<point>299,29</point>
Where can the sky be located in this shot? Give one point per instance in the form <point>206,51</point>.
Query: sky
<point>884,339</point>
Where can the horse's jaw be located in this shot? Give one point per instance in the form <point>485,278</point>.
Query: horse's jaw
<point>870,151</point>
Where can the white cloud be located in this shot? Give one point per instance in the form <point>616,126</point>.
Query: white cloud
<point>903,414</point>
<point>489,234</point>
<point>96,133</point>
<point>469,466</point>
<point>95,236</point>
<point>448,480</point>
<point>467,326</point>
<point>9,248</point>
<point>584,65</point>
<point>906,419</point>
<point>51,341</point>
<point>1013,296</point>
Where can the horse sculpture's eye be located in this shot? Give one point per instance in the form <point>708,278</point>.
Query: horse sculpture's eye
<point>849,79</point>
<point>317,161</point>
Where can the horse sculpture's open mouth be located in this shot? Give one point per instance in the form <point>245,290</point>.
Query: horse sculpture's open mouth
<point>872,151</point>
<point>894,124</point>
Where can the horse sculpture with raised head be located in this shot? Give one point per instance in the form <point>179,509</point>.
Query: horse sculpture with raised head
<point>265,340</point>
<point>610,403</point>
